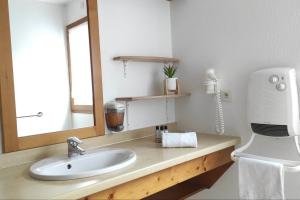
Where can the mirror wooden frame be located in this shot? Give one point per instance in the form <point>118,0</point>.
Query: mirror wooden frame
<point>10,140</point>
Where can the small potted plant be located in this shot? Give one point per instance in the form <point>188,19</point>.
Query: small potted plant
<point>171,81</point>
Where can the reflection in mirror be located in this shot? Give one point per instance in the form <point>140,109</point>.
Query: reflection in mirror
<point>80,71</point>
<point>52,70</point>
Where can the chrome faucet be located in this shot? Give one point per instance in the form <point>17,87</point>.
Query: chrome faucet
<point>74,148</point>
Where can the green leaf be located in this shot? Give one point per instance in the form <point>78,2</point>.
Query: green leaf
<point>170,70</point>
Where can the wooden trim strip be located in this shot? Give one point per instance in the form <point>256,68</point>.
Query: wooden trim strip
<point>29,142</point>
<point>170,96</point>
<point>82,109</point>
<point>76,23</point>
<point>146,59</point>
<point>7,100</point>
<point>96,66</point>
<point>156,182</point>
<point>69,68</point>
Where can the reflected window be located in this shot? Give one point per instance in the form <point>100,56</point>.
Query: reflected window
<point>79,67</point>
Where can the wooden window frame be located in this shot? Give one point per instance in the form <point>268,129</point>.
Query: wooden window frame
<point>11,141</point>
<point>87,109</point>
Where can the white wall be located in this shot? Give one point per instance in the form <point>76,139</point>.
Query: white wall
<point>75,10</point>
<point>236,38</point>
<point>136,27</point>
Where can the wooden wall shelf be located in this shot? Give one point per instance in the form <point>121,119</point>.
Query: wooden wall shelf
<point>152,97</point>
<point>146,59</point>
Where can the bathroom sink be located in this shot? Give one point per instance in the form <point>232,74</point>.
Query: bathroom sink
<point>92,163</point>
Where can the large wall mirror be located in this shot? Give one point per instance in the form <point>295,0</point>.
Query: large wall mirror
<point>50,72</point>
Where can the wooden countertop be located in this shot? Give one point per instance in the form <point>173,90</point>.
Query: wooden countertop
<point>15,182</point>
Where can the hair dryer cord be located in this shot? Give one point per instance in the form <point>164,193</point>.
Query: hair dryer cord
<point>220,125</point>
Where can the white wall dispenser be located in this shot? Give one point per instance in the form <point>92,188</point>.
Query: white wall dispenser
<point>273,111</point>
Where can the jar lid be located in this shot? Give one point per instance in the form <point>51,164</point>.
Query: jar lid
<point>114,105</point>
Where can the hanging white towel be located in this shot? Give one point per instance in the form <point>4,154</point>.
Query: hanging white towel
<point>180,140</point>
<point>260,179</point>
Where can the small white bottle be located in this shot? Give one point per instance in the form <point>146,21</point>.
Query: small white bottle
<point>166,129</point>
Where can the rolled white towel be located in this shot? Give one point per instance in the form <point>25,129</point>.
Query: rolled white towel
<point>179,140</point>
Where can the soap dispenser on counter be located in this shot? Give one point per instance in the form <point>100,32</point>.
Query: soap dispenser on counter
<point>114,115</point>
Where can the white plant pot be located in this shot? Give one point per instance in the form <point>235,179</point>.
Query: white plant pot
<point>171,84</point>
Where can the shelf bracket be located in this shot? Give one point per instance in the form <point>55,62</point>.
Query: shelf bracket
<point>127,115</point>
<point>125,63</point>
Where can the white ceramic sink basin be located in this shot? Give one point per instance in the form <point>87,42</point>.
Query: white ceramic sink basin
<point>92,163</point>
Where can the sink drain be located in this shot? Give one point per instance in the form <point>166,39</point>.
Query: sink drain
<point>69,166</point>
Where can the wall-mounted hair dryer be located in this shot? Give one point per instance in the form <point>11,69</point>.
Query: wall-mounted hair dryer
<point>213,87</point>
<point>273,104</point>
<point>273,107</point>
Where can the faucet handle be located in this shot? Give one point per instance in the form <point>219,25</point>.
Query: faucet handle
<point>74,141</point>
